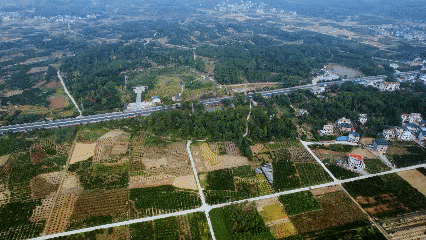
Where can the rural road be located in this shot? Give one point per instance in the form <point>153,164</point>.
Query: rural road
<point>68,93</point>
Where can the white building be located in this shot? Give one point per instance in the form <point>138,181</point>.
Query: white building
<point>303,112</point>
<point>327,129</point>
<point>343,120</point>
<point>412,118</point>
<point>380,145</point>
<point>423,78</point>
<point>317,90</point>
<point>363,118</point>
<point>422,136</point>
<point>388,86</point>
<point>354,137</point>
<point>406,136</point>
<point>356,162</point>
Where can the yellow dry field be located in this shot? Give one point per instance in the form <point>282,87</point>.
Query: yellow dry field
<point>82,151</point>
<point>186,182</point>
<point>3,159</point>
<point>366,141</point>
<point>415,179</point>
<point>273,213</point>
<point>363,152</point>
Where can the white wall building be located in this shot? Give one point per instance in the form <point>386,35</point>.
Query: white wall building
<point>406,136</point>
<point>344,120</point>
<point>363,118</point>
<point>327,129</point>
<point>388,86</point>
<point>356,162</point>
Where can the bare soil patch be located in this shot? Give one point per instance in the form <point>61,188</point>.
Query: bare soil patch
<point>3,159</point>
<point>363,152</point>
<point>82,151</point>
<point>186,182</point>
<point>52,85</point>
<point>58,102</point>
<point>37,70</point>
<point>321,191</point>
<point>416,179</point>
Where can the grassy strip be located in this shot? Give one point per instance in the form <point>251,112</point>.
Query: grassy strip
<point>220,227</point>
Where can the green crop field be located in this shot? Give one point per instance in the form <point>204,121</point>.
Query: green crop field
<point>300,202</point>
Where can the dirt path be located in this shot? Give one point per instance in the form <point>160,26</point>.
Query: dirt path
<point>58,192</point>
<point>68,93</point>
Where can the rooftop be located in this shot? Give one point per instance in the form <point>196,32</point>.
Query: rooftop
<point>359,157</point>
<point>381,141</point>
<point>343,139</point>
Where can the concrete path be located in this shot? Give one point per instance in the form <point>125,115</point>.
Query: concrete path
<point>68,93</point>
<point>305,144</point>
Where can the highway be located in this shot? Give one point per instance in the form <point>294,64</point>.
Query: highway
<point>80,120</point>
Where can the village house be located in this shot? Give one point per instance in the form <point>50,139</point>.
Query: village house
<point>356,162</point>
<point>343,120</point>
<point>327,130</point>
<point>422,136</point>
<point>388,133</point>
<point>380,145</point>
<point>303,112</point>
<point>388,86</point>
<point>354,137</point>
<point>317,90</point>
<point>345,127</point>
<point>412,118</point>
<point>392,133</point>
<point>406,136</point>
<point>363,118</point>
<point>413,128</point>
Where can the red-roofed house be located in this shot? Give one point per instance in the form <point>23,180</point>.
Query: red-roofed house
<point>356,162</point>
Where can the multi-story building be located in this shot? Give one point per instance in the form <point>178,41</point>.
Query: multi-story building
<point>388,86</point>
<point>356,162</point>
<point>380,145</point>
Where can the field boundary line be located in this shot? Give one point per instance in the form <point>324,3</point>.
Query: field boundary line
<point>319,161</point>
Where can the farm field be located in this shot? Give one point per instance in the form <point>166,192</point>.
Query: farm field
<point>239,221</point>
<point>403,155</point>
<point>336,209</point>
<point>386,196</point>
<point>375,166</point>
<point>355,230</point>
<point>216,156</point>
<point>416,179</point>
<point>191,226</point>
<point>233,184</point>
<point>301,202</point>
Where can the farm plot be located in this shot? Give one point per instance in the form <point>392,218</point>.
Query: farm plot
<point>58,102</point>
<point>97,203</point>
<point>160,200</point>
<point>190,226</point>
<point>112,147</point>
<point>375,166</point>
<point>240,221</point>
<point>386,196</point>
<point>301,202</point>
<point>233,184</point>
<point>62,211</point>
<point>159,165</point>
<point>275,217</point>
<point>15,223</point>
<point>312,174</point>
<point>416,179</point>
<point>216,156</point>
<point>355,230</point>
<point>337,209</point>
<point>406,155</point>
<point>44,184</point>
<point>101,176</point>
<point>82,151</point>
